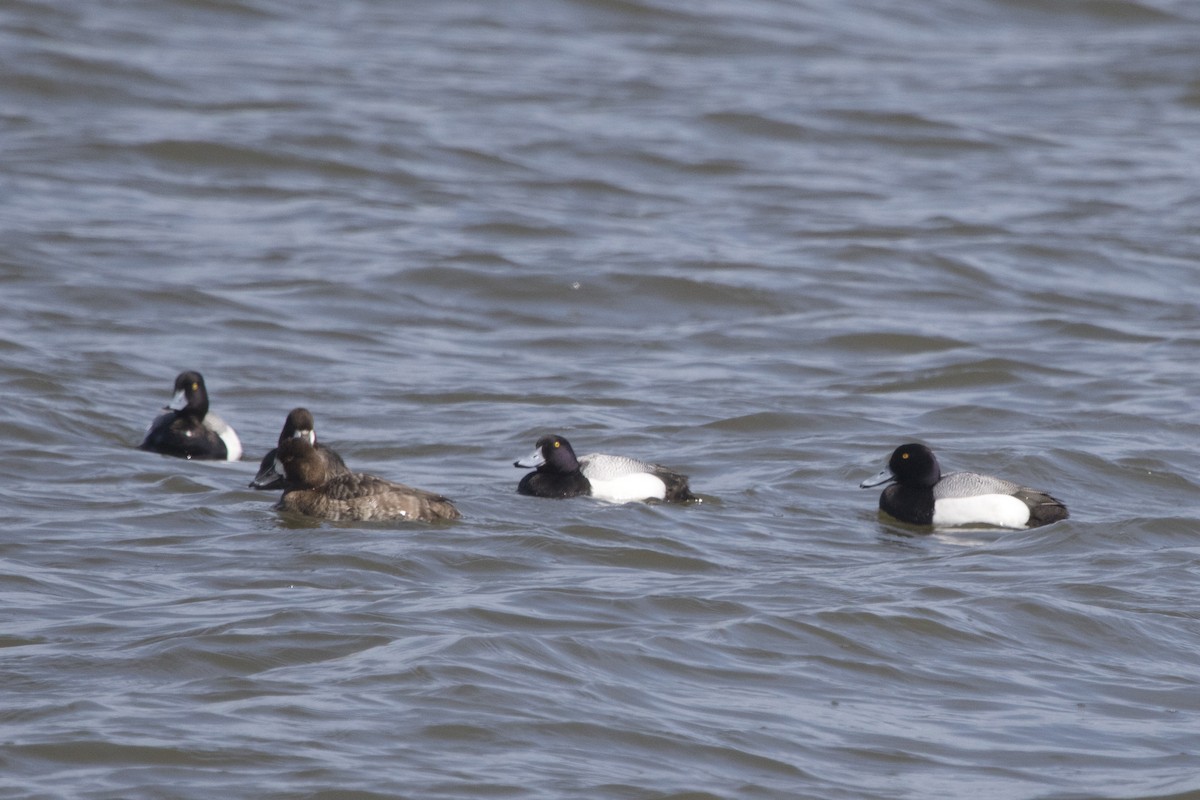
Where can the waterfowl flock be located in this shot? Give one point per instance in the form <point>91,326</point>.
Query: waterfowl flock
<point>317,483</point>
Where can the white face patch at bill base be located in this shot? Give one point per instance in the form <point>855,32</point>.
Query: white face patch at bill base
<point>1003,510</point>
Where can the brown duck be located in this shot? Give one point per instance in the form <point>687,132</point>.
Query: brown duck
<point>312,488</point>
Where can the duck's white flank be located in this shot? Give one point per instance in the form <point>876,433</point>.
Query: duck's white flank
<point>619,479</point>
<point>981,509</point>
<point>228,435</point>
<point>629,488</point>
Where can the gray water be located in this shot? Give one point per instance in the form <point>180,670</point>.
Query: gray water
<point>761,242</point>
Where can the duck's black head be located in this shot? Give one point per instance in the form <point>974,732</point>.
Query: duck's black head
<point>910,465</point>
<point>191,398</point>
<point>552,453</point>
<point>914,465</point>
<point>299,425</point>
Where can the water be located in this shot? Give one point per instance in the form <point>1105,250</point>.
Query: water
<point>763,243</point>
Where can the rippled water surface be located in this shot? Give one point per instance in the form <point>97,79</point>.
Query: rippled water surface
<point>762,242</point>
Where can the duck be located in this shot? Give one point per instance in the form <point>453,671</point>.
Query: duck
<point>921,495</point>
<point>311,488</point>
<point>298,424</point>
<point>559,473</point>
<point>187,429</point>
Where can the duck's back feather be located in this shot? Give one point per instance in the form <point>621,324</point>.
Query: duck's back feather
<point>970,484</point>
<point>358,496</point>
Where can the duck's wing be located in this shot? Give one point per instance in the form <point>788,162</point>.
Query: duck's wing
<point>678,490</point>
<point>383,499</point>
<point>970,484</point>
<point>1043,508</point>
<point>350,485</point>
<point>601,467</point>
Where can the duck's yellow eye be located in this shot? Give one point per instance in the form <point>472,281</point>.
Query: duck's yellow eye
<point>904,455</point>
<point>195,386</point>
<point>557,443</point>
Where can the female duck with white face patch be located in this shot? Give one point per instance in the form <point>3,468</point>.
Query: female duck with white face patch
<point>298,425</point>
<point>188,429</point>
<point>559,473</point>
<point>920,494</point>
<point>316,483</point>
